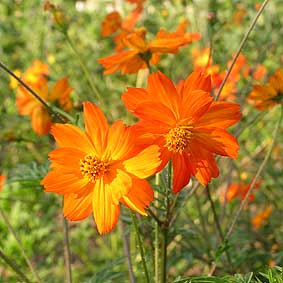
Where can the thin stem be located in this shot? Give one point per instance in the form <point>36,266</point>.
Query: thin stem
<point>44,103</point>
<point>11,229</point>
<point>14,267</point>
<point>67,254</point>
<point>244,40</point>
<point>261,167</point>
<point>126,246</point>
<point>217,223</point>
<point>154,216</point>
<point>164,240</point>
<point>86,72</point>
<point>156,234</point>
<point>140,246</point>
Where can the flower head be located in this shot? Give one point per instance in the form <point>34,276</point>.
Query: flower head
<point>186,123</point>
<point>29,105</point>
<point>100,168</point>
<point>268,95</point>
<point>261,217</point>
<point>142,53</point>
<point>240,190</point>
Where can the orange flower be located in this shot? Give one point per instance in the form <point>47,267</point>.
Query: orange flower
<point>2,180</point>
<point>259,72</point>
<point>29,105</point>
<point>142,52</point>
<point>186,123</point>
<point>13,82</point>
<point>36,74</point>
<point>99,169</point>
<point>239,190</point>
<point>111,23</point>
<point>268,95</point>
<point>260,218</point>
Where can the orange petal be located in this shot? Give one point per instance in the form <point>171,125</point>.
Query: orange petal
<point>145,163</point>
<point>197,80</point>
<point>96,126</point>
<point>139,196</point>
<point>133,96</point>
<point>68,135</point>
<point>216,141</point>
<point>120,141</point>
<point>195,104</point>
<point>64,182</point>
<point>105,212</point>
<point>77,208</point>
<point>220,114</point>
<point>161,89</point>
<point>182,171</point>
<point>40,120</point>
<point>119,184</point>
<point>66,157</point>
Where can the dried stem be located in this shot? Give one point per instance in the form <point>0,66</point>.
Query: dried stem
<point>67,254</point>
<point>14,267</point>
<point>244,40</point>
<point>261,167</point>
<point>126,246</point>
<point>28,261</point>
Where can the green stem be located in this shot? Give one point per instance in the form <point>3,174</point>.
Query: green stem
<point>86,72</point>
<point>244,40</point>
<point>140,246</point>
<point>31,91</point>
<point>14,267</point>
<point>261,167</point>
<point>11,229</point>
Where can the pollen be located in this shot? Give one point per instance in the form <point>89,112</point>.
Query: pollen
<point>93,168</point>
<point>178,138</point>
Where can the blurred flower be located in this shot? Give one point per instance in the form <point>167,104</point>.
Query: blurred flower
<point>27,104</point>
<point>139,4</point>
<point>59,17</point>
<point>239,15</point>
<point>2,180</point>
<point>186,123</point>
<point>143,53</point>
<point>13,82</point>
<point>99,169</point>
<point>259,72</point>
<point>261,217</point>
<point>36,74</point>
<point>239,190</point>
<point>267,96</point>
<point>111,23</point>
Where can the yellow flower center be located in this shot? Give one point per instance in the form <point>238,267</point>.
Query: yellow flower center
<point>93,168</point>
<point>178,138</point>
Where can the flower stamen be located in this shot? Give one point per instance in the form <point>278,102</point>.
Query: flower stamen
<point>93,168</point>
<point>178,138</point>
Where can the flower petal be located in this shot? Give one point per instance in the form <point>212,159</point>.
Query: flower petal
<point>139,196</point>
<point>40,120</point>
<point>67,135</point>
<point>96,126</point>
<point>133,96</point>
<point>145,163</point>
<point>105,212</point>
<point>182,171</point>
<point>77,208</point>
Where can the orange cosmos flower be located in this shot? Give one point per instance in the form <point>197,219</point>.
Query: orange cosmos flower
<point>141,52</point>
<point>186,123</point>
<point>111,23</point>
<point>27,104</point>
<point>36,74</point>
<point>2,180</point>
<point>239,190</point>
<point>267,96</point>
<point>260,218</point>
<point>99,169</point>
